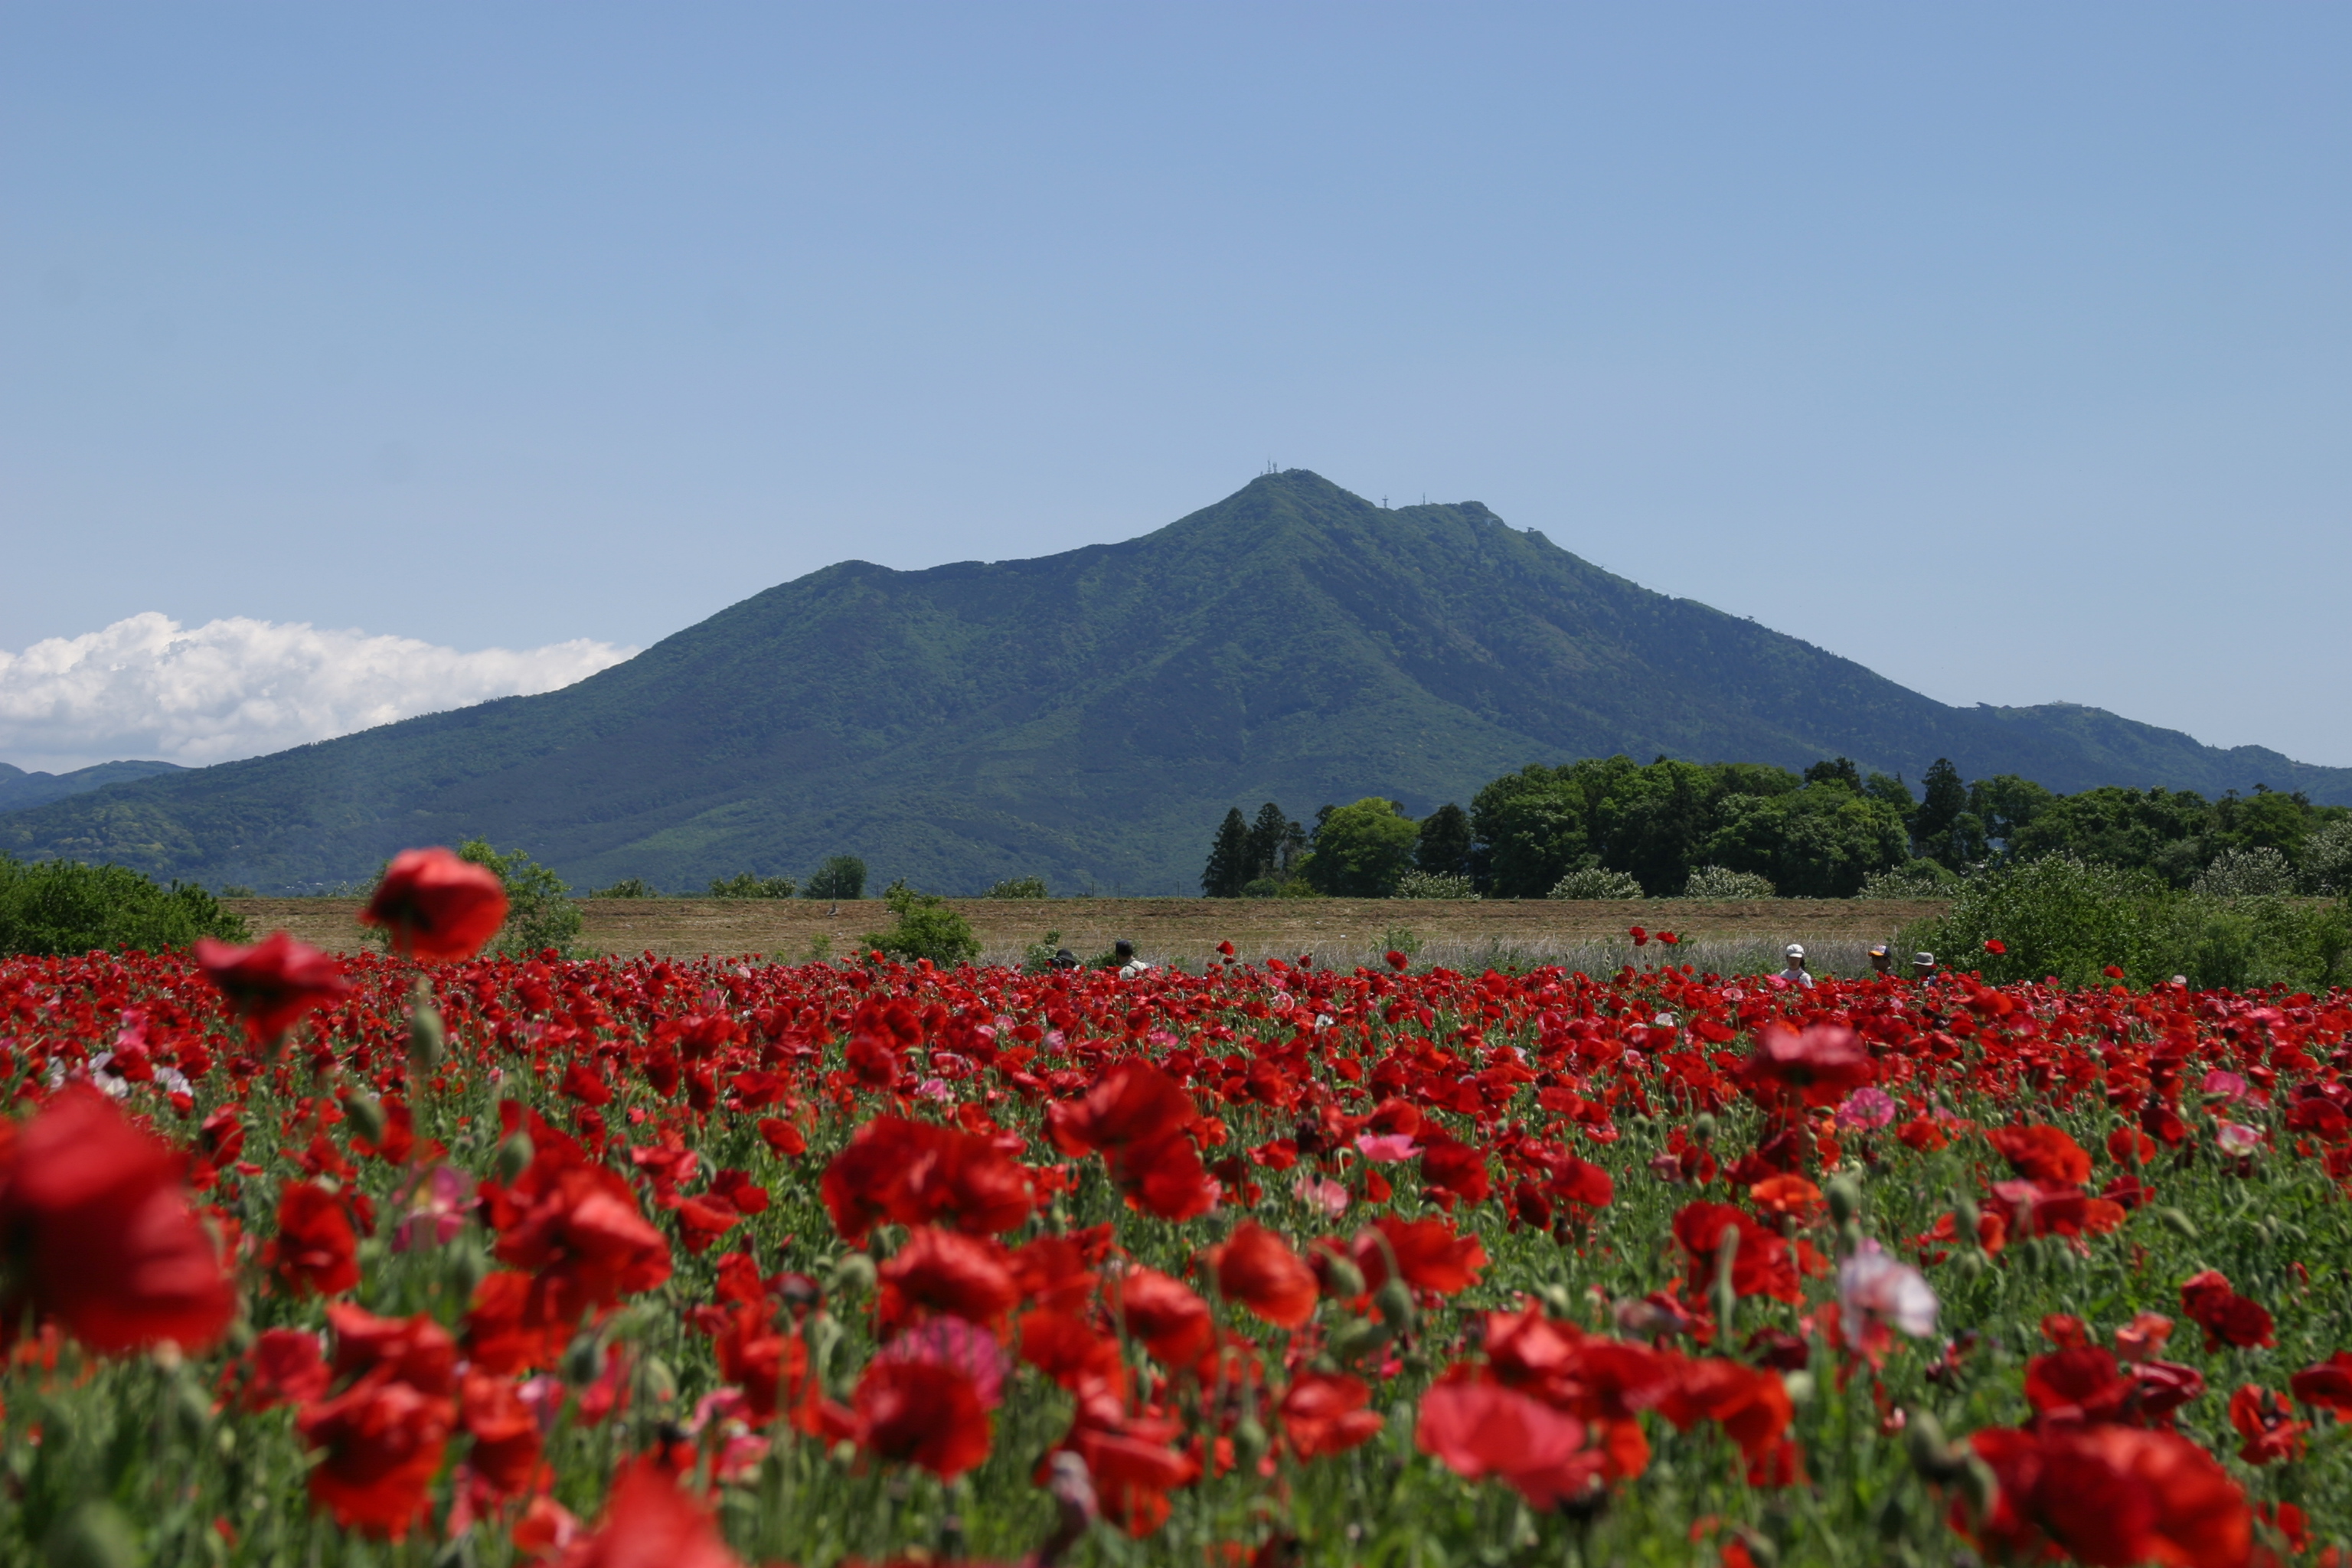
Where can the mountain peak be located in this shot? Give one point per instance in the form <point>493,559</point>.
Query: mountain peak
<point>1088,716</point>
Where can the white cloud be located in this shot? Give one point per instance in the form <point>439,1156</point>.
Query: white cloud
<point>149,688</point>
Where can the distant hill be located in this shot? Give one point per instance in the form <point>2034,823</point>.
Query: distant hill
<point>19,789</point>
<point>1088,717</point>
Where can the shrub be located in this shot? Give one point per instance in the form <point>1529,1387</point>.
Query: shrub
<point>2245,874</point>
<point>1020,887</point>
<point>2070,918</point>
<point>631,887</point>
<point>1434,885</point>
<point>927,928</point>
<point>1721,883</point>
<point>2327,859</point>
<point>59,907</point>
<point>540,913</point>
<point>841,877</point>
<point>744,885</point>
<point>1919,879</point>
<point>1595,882</point>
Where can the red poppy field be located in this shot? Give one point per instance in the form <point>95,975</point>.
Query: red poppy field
<point>438,1258</point>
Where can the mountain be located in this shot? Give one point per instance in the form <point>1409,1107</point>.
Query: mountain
<point>1088,717</point>
<point>19,789</point>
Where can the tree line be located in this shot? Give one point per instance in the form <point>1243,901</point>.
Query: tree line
<point>1832,831</point>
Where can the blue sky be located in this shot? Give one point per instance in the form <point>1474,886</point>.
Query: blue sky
<point>2006,349</point>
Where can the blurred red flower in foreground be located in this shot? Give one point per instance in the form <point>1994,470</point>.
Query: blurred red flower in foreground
<point>1819,1067</point>
<point>2112,1497</point>
<point>2227,1318</point>
<point>918,1411</point>
<point>436,906</point>
<point>1259,1270</point>
<point>1323,1412</point>
<point>649,1523</point>
<point>96,1233</point>
<point>271,983</point>
<point>2042,1154</point>
<point>1479,1429</point>
<point>314,1248</point>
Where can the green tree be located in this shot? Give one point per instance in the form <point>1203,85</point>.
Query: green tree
<point>1273,842</point>
<point>628,887</point>
<point>926,928</point>
<point>1020,887</point>
<point>841,877</point>
<point>2005,806</point>
<point>1943,829</point>
<point>1360,850</point>
<point>1443,849</point>
<point>1820,842</point>
<point>1529,829</point>
<point>62,907</point>
<point>540,912</point>
<point>1230,866</point>
<point>1890,788</point>
<point>748,885</point>
<point>1839,771</point>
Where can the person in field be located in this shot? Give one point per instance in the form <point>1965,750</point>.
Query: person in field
<point>1122,952</point>
<point>1795,972</point>
<point>1882,958</point>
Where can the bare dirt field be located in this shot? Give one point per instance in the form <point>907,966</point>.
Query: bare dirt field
<point>1726,937</point>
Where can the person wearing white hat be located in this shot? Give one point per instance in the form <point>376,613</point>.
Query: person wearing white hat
<point>1795,973</point>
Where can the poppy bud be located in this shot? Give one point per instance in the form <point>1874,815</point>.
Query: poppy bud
<point>1932,1455</point>
<point>1352,1337</point>
<point>1394,1304</point>
<point>366,1115</point>
<point>1800,1386</point>
<point>854,1274</point>
<point>467,1267</point>
<point>2180,1223</point>
<point>582,1360</point>
<point>1970,1263</point>
<point>514,1157</point>
<point>1845,1200</point>
<point>659,1381</point>
<point>1250,1440</point>
<point>95,1535</point>
<point>1556,1301</point>
<point>1703,1128</point>
<point>1342,1280</point>
<point>426,1035</point>
<point>1726,1294</point>
<point>191,1405</point>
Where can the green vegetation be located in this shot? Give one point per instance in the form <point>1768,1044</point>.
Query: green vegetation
<point>2062,916</point>
<point>926,928</point>
<point>61,907</point>
<point>1420,884</point>
<point>540,913</point>
<point>627,888</point>
<point>965,724</point>
<point>1020,887</point>
<point>747,885</point>
<point>841,877</point>
<point>1720,884</point>
<point>1595,882</point>
<point>1360,850</point>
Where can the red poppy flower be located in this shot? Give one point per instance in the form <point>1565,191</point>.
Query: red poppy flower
<point>1323,1412</point>
<point>767,1366</point>
<point>578,1227</point>
<point>2227,1318</point>
<point>1995,946</point>
<point>382,1440</point>
<point>917,1172</point>
<point>1818,1066</point>
<point>285,1366</point>
<point>1451,1169</point>
<point>1787,1197</point>
<point>1066,1351</point>
<point>1140,1121</point>
<point>1479,1429</point>
<point>97,1234</point>
<point>502,1332</point>
<point>1428,1253</point>
<point>1131,1462</point>
<point>921,1413</point>
<point>2042,1154</point>
<point>1165,1314</point>
<point>436,906</point>
<point>506,1448</point>
<point>1396,959</point>
<point>940,1271</point>
<point>2327,1385</point>
<point>1259,1270</point>
<point>650,1523</point>
<point>314,1248</point>
<point>782,1138</point>
<point>272,983</point>
<point>417,1351</point>
<point>1752,1405</point>
<point>2109,1496</point>
<point>2268,1425</point>
<point>1762,1266</point>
